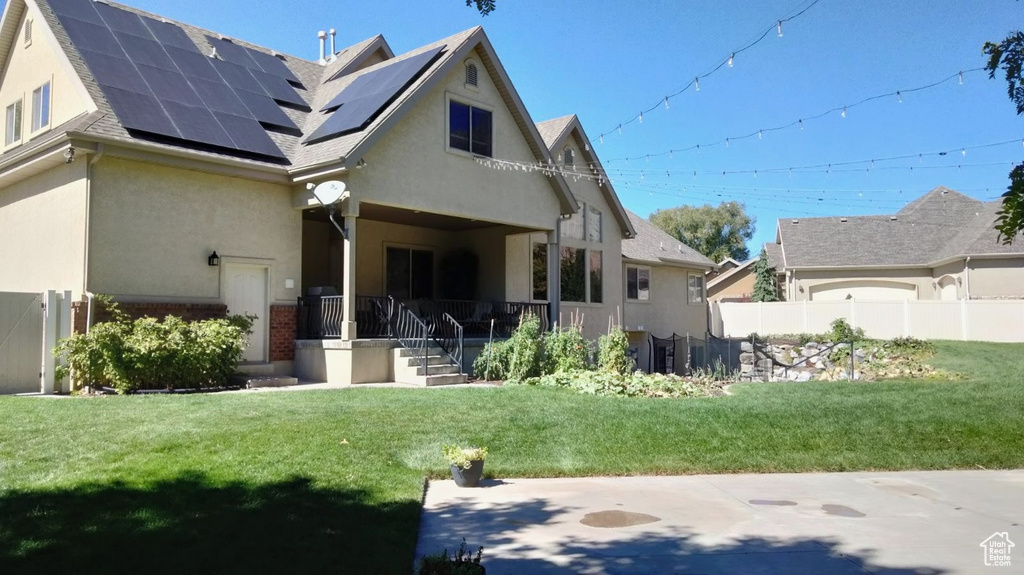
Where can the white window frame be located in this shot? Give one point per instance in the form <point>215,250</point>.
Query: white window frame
<point>689,289</point>
<point>568,156</point>
<point>591,211</point>
<point>462,99</point>
<point>638,297</point>
<point>16,141</point>
<point>547,267</point>
<point>33,129</point>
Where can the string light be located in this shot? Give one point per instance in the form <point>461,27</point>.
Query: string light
<point>696,84</point>
<point>759,134</point>
<point>729,61</point>
<point>666,102</point>
<point>641,117</point>
<point>801,124</point>
<point>960,78</point>
<point>841,109</point>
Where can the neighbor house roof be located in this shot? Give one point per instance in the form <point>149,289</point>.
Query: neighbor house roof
<point>652,245</point>
<point>940,226</point>
<point>554,132</point>
<point>774,253</point>
<point>317,86</point>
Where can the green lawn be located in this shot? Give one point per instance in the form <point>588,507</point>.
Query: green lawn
<point>263,482</point>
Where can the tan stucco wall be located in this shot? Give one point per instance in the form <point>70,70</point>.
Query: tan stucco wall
<point>955,271</point>
<point>667,311</point>
<point>42,231</point>
<point>27,68</point>
<point>739,285</point>
<point>995,278</point>
<point>921,279</point>
<point>412,166</point>
<point>152,228</point>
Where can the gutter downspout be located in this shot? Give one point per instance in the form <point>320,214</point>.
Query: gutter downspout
<point>90,297</point>
<point>555,274</point>
<point>967,275</point>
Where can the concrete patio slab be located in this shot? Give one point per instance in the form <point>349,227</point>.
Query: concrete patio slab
<point>928,522</point>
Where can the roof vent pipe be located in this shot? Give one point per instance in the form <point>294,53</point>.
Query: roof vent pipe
<point>334,52</point>
<point>323,47</point>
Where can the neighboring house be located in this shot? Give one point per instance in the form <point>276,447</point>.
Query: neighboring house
<point>167,166</point>
<point>942,246</point>
<point>664,291</point>
<point>723,266</point>
<point>737,283</point>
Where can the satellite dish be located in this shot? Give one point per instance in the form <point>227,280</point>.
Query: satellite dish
<point>329,193</point>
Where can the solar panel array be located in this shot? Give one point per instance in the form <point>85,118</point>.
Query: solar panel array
<point>157,81</point>
<point>362,100</point>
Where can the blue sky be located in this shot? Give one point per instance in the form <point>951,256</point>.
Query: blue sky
<point>606,61</point>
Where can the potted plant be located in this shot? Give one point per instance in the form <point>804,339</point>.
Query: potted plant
<point>467,464</point>
<point>461,563</point>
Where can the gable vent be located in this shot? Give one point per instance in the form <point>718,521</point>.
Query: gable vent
<point>471,74</point>
<point>28,32</point>
<point>844,220</point>
<point>796,222</point>
<point>892,218</point>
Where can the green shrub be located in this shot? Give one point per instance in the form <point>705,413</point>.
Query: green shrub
<point>497,368</point>
<point>842,331</point>
<point>565,349</point>
<point>908,346</point>
<point>150,354</point>
<point>613,352</point>
<point>524,349</point>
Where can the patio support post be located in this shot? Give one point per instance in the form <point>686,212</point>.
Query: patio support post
<point>554,275</point>
<point>348,326</point>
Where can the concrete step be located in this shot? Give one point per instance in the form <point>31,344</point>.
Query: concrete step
<point>257,381</point>
<point>448,379</point>
<point>406,352</point>
<point>442,359</point>
<point>439,369</point>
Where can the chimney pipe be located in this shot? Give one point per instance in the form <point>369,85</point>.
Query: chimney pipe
<point>323,41</point>
<point>334,52</point>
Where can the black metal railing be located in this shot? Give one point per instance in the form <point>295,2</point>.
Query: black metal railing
<point>411,332</point>
<point>449,337</point>
<point>320,317</point>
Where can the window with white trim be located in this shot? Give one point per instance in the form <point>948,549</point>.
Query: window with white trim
<point>593,224</point>
<point>41,107</point>
<point>12,130</point>
<point>638,283</point>
<point>568,157</point>
<point>540,271</point>
<point>694,288</point>
<point>574,274</point>
<point>469,129</point>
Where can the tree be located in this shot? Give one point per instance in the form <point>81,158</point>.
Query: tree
<point>717,232</point>
<point>1009,55</point>
<point>484,6</point>
<point>765,288</point>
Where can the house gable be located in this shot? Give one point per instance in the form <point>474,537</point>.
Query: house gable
<point>31,58</point>
<point>413,154</point>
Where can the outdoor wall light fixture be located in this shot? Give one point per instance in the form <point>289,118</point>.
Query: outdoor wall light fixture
<point>360,164</point>
<point>213,260</point>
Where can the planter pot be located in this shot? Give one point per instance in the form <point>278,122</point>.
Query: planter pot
<point>468,477</point>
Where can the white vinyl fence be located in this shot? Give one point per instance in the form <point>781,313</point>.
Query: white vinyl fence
<point>975,320</point>
<point>30,326</point>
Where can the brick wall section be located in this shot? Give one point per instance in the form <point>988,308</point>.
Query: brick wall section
<point>282,332</point>
<point>79,316</point>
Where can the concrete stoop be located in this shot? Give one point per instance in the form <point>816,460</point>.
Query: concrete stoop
<point>435,369</point>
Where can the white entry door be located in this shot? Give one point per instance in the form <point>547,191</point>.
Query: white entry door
<point>245,292</point>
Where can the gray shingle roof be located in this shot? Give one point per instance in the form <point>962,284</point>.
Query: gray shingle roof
<point>941,225</point>
<point>551,130</point>
<point>652,245</point>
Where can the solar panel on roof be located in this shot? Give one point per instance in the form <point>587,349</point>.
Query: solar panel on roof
<point>123,21</point>
<point>238,77</point>
<point>148,52</point>
<point>197,124</point>
<point>140,112</point>
<point>249,132</point>
<point>231,52</point>
<point>168,85</point>
<point>279,88</point>
<point>94,37</point>
<point>362,100</point>
<point>265,110</point>
<point>272,65</point>
<point>148,72</point>
<point>218,97</point>
<point>77,9</point>
<point>169,35</point>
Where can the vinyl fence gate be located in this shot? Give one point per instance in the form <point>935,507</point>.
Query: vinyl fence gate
<point>30,325</point>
